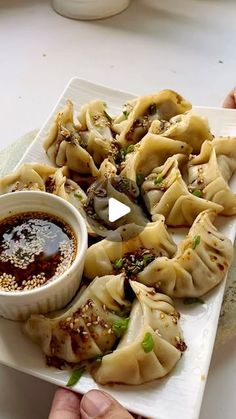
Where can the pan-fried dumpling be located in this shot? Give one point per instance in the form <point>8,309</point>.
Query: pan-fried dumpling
<point>201,262</point>
<point>138,114</point>
<point>165,192</point>
<point>66,146</point>
<point>101,256</point>
<point>190,128</point>
<point>210,171</point>
<point>30,176</point>
<point>84,329</point>
<point>150,347</point>
<point>151,152</point>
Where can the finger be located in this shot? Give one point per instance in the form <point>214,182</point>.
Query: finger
<point>97,404</point>
<point>65,405</point>
<point>230,100</point>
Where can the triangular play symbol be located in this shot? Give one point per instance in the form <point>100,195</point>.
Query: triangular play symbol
<point>116,209</point>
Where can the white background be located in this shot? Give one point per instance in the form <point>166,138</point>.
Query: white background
<point>155,44</point>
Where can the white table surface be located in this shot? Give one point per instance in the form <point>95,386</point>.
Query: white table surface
<point>155,44</point>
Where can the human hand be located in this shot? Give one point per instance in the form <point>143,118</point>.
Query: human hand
<point>94,404</point>
<point>230,100</point>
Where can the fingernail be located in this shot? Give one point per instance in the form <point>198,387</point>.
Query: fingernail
<point>95,403</point>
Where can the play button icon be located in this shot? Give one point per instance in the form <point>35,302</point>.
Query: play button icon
<point>116,210</point>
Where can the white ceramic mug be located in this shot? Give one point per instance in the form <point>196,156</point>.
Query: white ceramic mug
<point>89,9</point>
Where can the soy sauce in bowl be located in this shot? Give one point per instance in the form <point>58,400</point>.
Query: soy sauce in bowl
<point>35,248</point>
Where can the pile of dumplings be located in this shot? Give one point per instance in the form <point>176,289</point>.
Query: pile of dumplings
<point>161,159</point>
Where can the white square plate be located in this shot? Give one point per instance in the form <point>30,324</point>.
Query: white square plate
<point>179,395</point>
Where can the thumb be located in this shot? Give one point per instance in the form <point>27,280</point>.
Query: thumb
<point>65,405</point>
<point>97,404</point>
<point>230,100</point>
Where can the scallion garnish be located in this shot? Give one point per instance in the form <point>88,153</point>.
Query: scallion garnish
<point>75,377</point>
<point>196,241</point>
<point>130,148</point>
<point>119,327</point>
<point>148,343</point>
<point>158,180</point>
<point>78,195</point>
<point>118,263</point>
<point>147,259</point>
<point>197,193</point>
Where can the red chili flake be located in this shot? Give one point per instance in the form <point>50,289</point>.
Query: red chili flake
<point>181,345</point>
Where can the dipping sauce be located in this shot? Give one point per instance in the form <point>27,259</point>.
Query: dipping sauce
<point>35,248</point>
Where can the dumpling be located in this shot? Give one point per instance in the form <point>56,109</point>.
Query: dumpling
<point>32,176</point>
<point>130,238</point>
<point>151,152</point>
<point>95,119</point>
<point>190,128</point>
<point>210,171</point>
<point>138,114</point>
<point>201,262</point>
<point>109,185</point>
<point>150,347</point>
<point>66,146</point>
<point>165,192</point>
<point>84,329</point>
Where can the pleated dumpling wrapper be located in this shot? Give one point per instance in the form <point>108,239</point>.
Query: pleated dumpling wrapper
<point>84,329</point>
<point>138,114</point>
<point>66,145</point>
<point>210,172</point>
<point>30,176</point>
<point>150,153</point>
<point>201,262</point>
<point>96,122</point>
<point>165,192</point>
<point>103,257</point>
<point>189,127</point>
<point>150,347</point>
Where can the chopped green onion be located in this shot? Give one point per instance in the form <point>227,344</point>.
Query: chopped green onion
<point>107,116</point>
<point>158,180</point>
<point>197,193</point>
<point>126,114</point>
<point>119,327</point>
<point>123,313</point>
<point>193,300</point>
<point>152,109</point>
<point>147,259</point>
<point>75,377</point>
<point>196,241</point>
<point>118,263</point>
<point>148,343</point>
<point>125,150</point>
<point>140,179</point>
<point>78,195</point>
<point>130,148</point>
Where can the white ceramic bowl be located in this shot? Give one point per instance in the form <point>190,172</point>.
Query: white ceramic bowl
<point>18,305</point>
<point>89,9</point>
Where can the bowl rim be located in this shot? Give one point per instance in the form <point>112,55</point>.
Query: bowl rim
<point>80,255</point>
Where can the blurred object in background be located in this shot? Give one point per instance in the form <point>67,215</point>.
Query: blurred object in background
<point>89,9</point>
